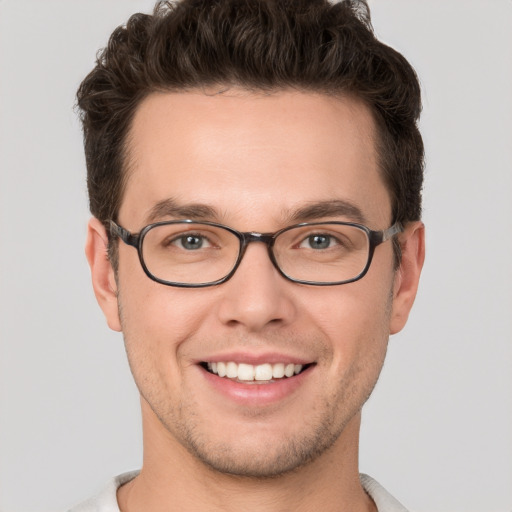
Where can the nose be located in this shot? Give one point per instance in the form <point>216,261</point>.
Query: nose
<point>257,296</point>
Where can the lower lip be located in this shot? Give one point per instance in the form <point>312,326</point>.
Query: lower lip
<point>257,394</point>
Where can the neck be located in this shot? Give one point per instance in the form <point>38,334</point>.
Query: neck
<point>173,479</point>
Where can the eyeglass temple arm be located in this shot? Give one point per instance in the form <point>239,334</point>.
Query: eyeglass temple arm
<point>390,232</point>
<point>123,234</point>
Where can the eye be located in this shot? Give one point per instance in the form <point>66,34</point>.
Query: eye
<point>319,241</point>
<point>191,242</point>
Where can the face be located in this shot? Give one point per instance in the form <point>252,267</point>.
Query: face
<point>255,163</point>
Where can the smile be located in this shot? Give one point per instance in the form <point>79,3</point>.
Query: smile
<point>249,373</point>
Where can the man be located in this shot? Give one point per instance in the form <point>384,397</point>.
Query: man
<point>254,173</point>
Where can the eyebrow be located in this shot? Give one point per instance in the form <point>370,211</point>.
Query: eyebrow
<point>309,212</point>
<point>171,208</point>
<point>331,208</point>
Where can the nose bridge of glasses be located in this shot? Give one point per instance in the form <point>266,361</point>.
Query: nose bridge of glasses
<point>265,238</point>
<point>252,236</point>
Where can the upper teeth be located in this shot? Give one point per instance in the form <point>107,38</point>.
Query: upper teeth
<point>249,372</point>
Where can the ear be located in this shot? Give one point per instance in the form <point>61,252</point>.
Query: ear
<point>102,273</point>
<point>412,242</point>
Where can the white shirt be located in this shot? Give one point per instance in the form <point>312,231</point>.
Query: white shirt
<point>106,501</point>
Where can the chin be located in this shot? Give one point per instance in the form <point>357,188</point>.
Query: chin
<point>264,454</point>
<point>260,463</point>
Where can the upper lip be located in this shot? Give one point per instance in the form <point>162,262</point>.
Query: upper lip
<point>255,359</point>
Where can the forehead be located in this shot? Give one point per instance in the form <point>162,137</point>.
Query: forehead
<point>242,154</point>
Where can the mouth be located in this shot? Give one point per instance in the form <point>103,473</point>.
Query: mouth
<point>265,373</point>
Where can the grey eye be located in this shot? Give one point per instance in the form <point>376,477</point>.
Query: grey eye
<point>190,242</point>
<point>318,241</point>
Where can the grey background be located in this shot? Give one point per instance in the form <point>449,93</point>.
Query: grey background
<point>437,431</point>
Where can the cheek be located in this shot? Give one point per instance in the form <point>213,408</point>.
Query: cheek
<point>154,326</point>
<point>158,317</point>
<point>355,318</point>
<point>352,308</point>
<point>152,312</point>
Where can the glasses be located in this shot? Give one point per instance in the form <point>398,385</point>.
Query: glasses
<point>194,254</point>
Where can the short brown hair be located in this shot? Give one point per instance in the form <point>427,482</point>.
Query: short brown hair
<point>263,45</point>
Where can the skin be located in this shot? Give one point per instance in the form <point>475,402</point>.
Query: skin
<point>254,159</point>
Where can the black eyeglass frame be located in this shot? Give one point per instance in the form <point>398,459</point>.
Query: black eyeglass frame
<point>136,240</point>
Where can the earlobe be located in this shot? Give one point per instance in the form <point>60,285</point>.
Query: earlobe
<point>102,273</point>
<point>412,242</point>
